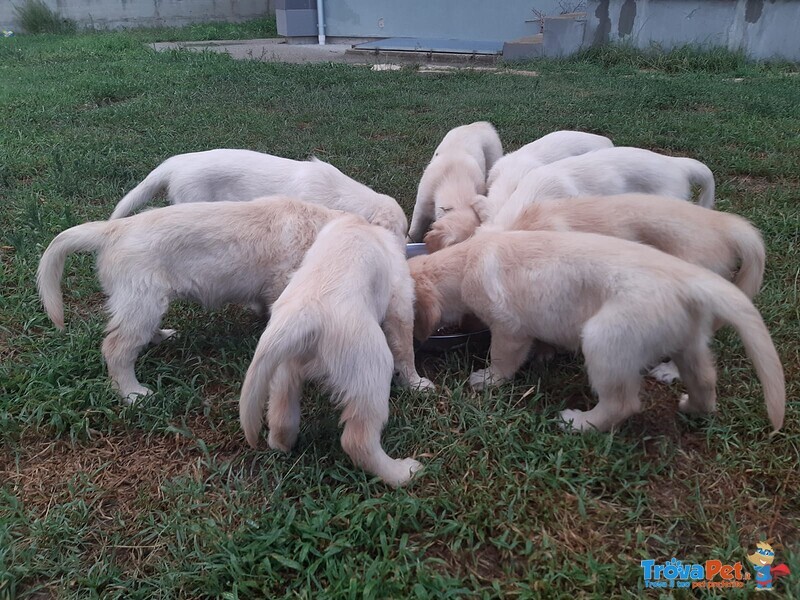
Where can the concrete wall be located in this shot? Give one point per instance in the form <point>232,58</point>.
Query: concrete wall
<point>113,14</point>
<point>763,29</point>
<point>485,20</point>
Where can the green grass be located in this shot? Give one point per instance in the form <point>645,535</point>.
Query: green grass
<point>165,500</point>
<point>37,17</point>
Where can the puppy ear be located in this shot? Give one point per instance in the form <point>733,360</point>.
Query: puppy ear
<point>427,312</point>
<point>456,226</point>
<point>437,237</point>
<point>480,204</point>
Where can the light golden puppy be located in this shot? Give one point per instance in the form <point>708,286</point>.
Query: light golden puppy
<point>504,177</point>
<point>233,175</point>
<point>721,242</point>
<point>625,305</point>
<point>211,253</point>
<point>456,175</point>
<point>327,326</point>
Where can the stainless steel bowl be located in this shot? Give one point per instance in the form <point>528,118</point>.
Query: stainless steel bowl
<point>445,343</point>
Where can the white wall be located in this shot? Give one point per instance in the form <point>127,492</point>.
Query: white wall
<point>113,14</point>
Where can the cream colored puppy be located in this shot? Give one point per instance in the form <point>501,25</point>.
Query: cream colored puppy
<point>721,242</point>
<point>504,176</point>
<point>326,325</point>
<point>241,175</point>
<point>605,173</point>
<point>625,305</point>
<point>456,174</point>
<point>211,253</point>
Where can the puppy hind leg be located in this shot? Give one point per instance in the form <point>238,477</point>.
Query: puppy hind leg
<point>363,385</point>
<point>617,400</point>
<point>283,410</point>
<point>361,440</point>
<point>696,365</point>
<point>130,329</point>
<point>614,351</point>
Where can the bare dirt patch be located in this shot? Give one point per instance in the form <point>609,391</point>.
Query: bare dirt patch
<point>116,472</point>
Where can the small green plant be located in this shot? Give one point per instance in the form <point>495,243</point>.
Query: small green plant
<point>36,17</point>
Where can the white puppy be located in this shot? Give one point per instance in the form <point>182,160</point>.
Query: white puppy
<point>211,253</point>
<point>327,325</point>
<point>718,241</point>
<point>625,305</point>
<point>237,175</point>
<point>456,174</point>
<point>504,177</point>
<point>605,173</point>
<point>509,170</point>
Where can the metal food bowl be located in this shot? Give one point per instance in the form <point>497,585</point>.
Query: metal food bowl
<point>477,338</point>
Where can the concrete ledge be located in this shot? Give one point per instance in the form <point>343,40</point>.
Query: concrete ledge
<point>422,57</point>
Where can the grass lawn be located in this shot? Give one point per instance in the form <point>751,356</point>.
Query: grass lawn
<point>165,500</point>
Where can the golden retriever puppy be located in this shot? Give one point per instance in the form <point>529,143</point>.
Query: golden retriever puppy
<point>211,253</point>
<point>625,305</point>
<point>326,325</point>
<point>456,174</point>
<point>230,175</point>
<point>721,242</point>
<point>607,172</point>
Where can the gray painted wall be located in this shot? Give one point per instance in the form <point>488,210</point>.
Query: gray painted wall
<point>114,14</point>
<point>486,20</point>
<point>763,29</point>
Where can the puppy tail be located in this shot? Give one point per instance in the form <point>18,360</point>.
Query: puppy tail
<point>287,336</point>
<point>156,182</point>
<point>752,256</point>
<point>730,305</point>
<point>701,175</point>
<point>89,236</point>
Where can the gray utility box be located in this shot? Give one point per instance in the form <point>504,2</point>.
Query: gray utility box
<point>296,17</point>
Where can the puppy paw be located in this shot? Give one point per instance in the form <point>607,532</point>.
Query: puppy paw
<point>402,471</point>
<point>282,440</point>
<point>666,372</point>
<point>542,352</point>
<point>161,335</point>
<point>422,384</point>
<point>480,379</point>
<point>133,396</point>
<point>573,420</point>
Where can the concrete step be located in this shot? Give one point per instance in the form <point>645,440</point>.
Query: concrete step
<point>524,48</point>
<point>561,35</point>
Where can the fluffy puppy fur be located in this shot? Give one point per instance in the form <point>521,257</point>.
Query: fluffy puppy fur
<point>625,305</point>
<point>241,175</point>
<point>211,253</point>
<point>718,241</point>
<point>605,173</point>
<point>327,325</point>
<point>509,170</point>
<point>456,174</point>
<point>504,176</point>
